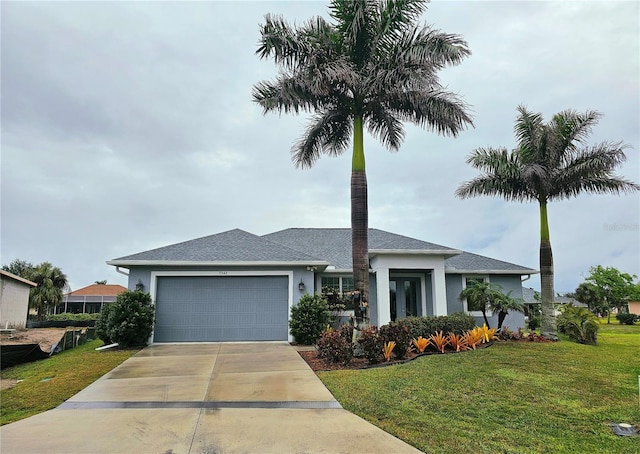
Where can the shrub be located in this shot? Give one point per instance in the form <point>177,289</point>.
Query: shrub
<point>534,322</point>
<point>400,333</point>
<point>73,317</point>
<point>579,323</point>
<point>627,319</point>
<point>102,324</point>
<point>336,346</point>
<point>371,343</point>
<point>457,323</point>
<point>308,318</point>
<point>128,321</point>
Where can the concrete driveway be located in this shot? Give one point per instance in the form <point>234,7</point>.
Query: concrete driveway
<point>202,398</point>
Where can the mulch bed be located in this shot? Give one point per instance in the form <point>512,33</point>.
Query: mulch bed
<point>318,364</point>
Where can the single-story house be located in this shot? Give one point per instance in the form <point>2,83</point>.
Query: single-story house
<point>89,299</point>
<point>634,307</point>
<point>235,285</point>
<point>14,300</point>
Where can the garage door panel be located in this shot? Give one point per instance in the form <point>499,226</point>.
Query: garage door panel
<point>208,308</point>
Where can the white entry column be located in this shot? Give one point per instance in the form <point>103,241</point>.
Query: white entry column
<point>439,288</point>
<point>382,293</point>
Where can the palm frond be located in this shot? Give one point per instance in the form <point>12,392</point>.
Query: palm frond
<point>327,133</point>
<point>395,15</point>
<point>436,110</point>
<point>383,125</point>
<point>433,48</point>
<point>591,170</point>
<point>288,93</point>
<point>502,176</point>
<point>282,41</point>
<point>527,131</point>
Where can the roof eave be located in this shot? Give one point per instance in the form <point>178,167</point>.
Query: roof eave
<point>444,252</point>
<point>477,271</point>
<point>129,263</point>
<point>18,278</point>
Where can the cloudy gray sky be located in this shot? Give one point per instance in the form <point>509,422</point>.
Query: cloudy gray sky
<point>129,125</point>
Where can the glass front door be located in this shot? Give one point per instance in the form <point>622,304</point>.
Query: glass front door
<point>404,297</point>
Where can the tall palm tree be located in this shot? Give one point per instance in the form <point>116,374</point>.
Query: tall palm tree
<point>372,67</point>
<point>551,162</point>
<point>51,281</point>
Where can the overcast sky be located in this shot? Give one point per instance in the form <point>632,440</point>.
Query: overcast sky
<point>128,126</point>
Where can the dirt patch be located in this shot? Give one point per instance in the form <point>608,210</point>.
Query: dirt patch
<point>45,337</point>
<point>6,383</point>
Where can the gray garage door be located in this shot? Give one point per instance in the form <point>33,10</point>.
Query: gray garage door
<point>225,308</point>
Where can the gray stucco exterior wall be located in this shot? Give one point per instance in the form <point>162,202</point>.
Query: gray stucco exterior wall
<point>508,283</point>
<point>454,287</point>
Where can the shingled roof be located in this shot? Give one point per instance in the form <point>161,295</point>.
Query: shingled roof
<point>334,245</point>
<point>473,263</point>
<point>226,247</point>
<point>308,246</point>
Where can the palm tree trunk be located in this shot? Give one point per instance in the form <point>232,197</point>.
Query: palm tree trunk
<point>548,328</point>
<point>486,320</point>
<point>359,220</point>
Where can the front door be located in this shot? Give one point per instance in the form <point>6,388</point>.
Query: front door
<point>404,297</point>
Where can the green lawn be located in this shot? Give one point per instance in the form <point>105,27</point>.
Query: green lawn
<point>509,398</point>
<point>47,383</point>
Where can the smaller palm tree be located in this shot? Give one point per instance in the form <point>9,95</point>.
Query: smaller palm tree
<point>51,281</point>
<point>480,295</point>
<point>502,304</point>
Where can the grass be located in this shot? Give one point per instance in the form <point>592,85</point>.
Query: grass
<point>47,383</point>
<point>510,398</point>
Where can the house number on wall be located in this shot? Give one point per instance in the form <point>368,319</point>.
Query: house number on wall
<point>222,272</point>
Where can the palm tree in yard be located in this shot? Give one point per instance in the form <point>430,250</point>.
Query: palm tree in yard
<point>502,304</point>
<point>480,296</point>
<point>373,66</point>
<point>51,281</point>
<point>551,162</point>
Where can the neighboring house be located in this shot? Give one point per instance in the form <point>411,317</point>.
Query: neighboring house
<point>14,300</point>
<point>634,307</point>
<point>239,286</point>
<point>89,299</point>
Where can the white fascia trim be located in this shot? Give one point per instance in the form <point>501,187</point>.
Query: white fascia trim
<point>125,263</point>
<point>155,274</point>
<point>519,272</point>
<point>447,252</point>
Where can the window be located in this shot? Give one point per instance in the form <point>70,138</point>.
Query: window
<point>347,284</point>
<point>470,282</point>
<point>341,284</point>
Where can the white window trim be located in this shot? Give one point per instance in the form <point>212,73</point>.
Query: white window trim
<point>485,278</point>
<point>340,277</point>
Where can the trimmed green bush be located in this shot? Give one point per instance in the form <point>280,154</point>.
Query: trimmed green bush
<point>309,318</point>
<point>457,323</point>
<point>579,323</point>
<point>128,321</point>
<point>73,317</point>
<point>627,319</point>
<point>336,346</point>
<point>400,333</point>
